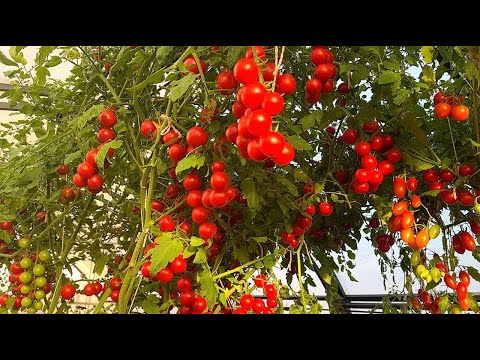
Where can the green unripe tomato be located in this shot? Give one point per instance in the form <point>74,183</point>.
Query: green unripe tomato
<point>420,269</point>
<point>31,311</point>
<point>435,274</point>
<point>39,294</point>
<point>429,278</point>
<point>26,262</point>
<point>44,256</point>
<point>456,309</point>
<point>26,277</point>
<point>41,281</point>
<point>38,305</point>
<point>434,231</point>
<point>38,270</point>
<point>25,289</point>
<point>415,259</point>
<point>26,302</point>
<point>24,243</point>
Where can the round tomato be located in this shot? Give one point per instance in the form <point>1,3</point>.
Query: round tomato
<point>459,112</point>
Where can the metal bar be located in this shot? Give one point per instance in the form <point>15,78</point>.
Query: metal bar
<point>6,107</point>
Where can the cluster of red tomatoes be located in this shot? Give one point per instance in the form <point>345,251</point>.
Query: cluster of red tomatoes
<point>87,172</point>
<point>248,302</point>
<point>384,242</point>
<point>29,280</point>
<point>7,226</point>
<point>68,193</point>
<point>450,106</point>
<point>254,107</point>
<point>463,241</point>
<point>325,71</point>
<point>460,288</point>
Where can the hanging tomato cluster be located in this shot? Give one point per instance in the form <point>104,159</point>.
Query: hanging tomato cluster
<point>87,172</point>
<point>248,302</point>
<point>450,106</point>
<point>254,107</point>
<point>325,71</point>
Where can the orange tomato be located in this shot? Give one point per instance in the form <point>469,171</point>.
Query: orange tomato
<point>422,238</point>
<point>416,201</point>
<point>459,113</point>
<point>400,207</point>
<point>407,235</point>
<point>407,220</point>
<point>464,304</point>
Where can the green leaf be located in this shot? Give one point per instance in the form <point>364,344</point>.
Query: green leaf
<point>234,54</point>
<point>162,53</point>
<point>427,53</point>
<point>431,285</point>
<point>189,162</point>
<point>80,121</point>
<point>473,303</point>
<point>308,121</point>
<point>200,256</point>
<point>100,263</point>
<point>250,193</point>
<point>181,86</point>
<point>54,61</point>
<point>167,250</point>
<point>150,305</point>
<point>17,55</point>
<point>388,77</point>
<point>269,261</point>
<point>473,273</point>
<point>298,143</point>
<point>10,301</point>
<point>43,53</point>
<point>284,181</point>
<point>207,287</point>
<point>325,275</point>
<point>259,239</point>
<point>6,61</point>
<point>410,121</point>
<point>102,153</point>
<point>156,77</point>
<point>196,241</point>
<point>428,76</point>
<point>416,163</point>
<point>402,95</point>
<point>189,251</point>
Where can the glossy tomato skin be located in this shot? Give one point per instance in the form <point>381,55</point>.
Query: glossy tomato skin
<point>464,277</point>
<point>371,126</point>
<point>459,112</point>
<point>107,119</point>
<point>442,110</point>
<point>465,198</point>
<point>68,292</point>
<point>285,84</point>
<point>466,170</point>
<point>447,176</point>
<point>399,187</point>
<point>246,71</point>
<point>412,184</point>
<point>430,175</point>
<point>362,148</point>
<point>325,208</point>
<point>350,136</point>
<point>225,82</point>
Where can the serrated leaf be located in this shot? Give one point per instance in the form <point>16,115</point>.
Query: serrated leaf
<point>471,71</point>
<point>473,273</point>
<point>410,120</point>
<point>102,153</point>
<point>54,61</point>
<point>234,54</point>
<point>196,241</point>
<point>162,53</point>
<point>189,162</point>
<point>250,193</point>
<point>207,287</point>
<point>181,86</point>
<point>269,261</point>
<point>189,251</point>
<point>309,120</point>
<point>17,55</point>
<point>284,181</point>
<point>100,263</point>
<point>388,77</point>
<point>43,53</point>
<point>6,61</point>
<point>150,305</point>
<point>428,74</point>
<point>427,53</point>
<point>416,163</point>
<point>167,250</point>
<point>80,121</point>
<point>200,256</point>
<point>156,77</point>
<point>298,143</point>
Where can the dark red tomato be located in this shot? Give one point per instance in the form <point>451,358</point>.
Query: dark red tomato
<point>178,265</point>
<point>165,275</point>
<point>116,283</point>
<point>259,123</point>
<point>319,56</point>
<point>41,216</point>
<point>187,297</point>
<point>376,177</point>
<point>273,103</point>
<point>437,185</point>
<point>286,155</point>
<point>285,84</point>
<point>447,197</point>
<point>312,98</point>
<point>169,136</point>
<point>105,135</point>
<point>464,277</point>
<point>200,214</point>
<point>465,198</point>
<point>196,136</point>
<point>115,295</point>
<point>166,223</point>
<point>323,72</point>
<point>466,170</point>
<point>325,208</point>
<point>246,302</point>
<point>176,152</point>
<point>362,148</point>
<point>385,167</point>
<point>238,109</point>
<point>186,228</point>
<point>447,176</point>
<point>343,88</point>
<point>157,206</point>
<point>461,291</point>
<point>394,155</point>
<point>313,86</point>
<point>231,193</point>
<point>475,226</point>
<point>297,230</point>
<point>207,230</point>
<point>68,292</point>
<point>438,98</point>
<point>259,50</point>
<point>327,86</point>
<point>310,210</point>
<point>362,175</point>
<point>374,223</point>
<point>246,71</point>
<point>89,289</point>
<point>412,184</point>
<point>459,112</point>
<point>146,269</point>
<point>388,141</point>
<point>63,169</point>
<point>268,71</point>
<point>360,188</point>
<point>192,65</point>
<point>467,240</point>
<point>330,130</point>
<point>381,239</point>
<point>231,133</point>
<point>442,110</point>
<point>399,187</point>
<point>172,191</point>
<point>107,119</point>
<point>369,162</point>
<point>148,129</point>
<point>184,283</point>
<point>350,136</point>
<point>192,181</point>
<point>341,176</point>
<point>95,182</point>
<point>199,305</point>
<point>450,281</point>
<point>376,143</point>
<point>370,126</point>
<point>430,175</point>
<point>304,222</point>
<point>457,244</point>
<point>225,82</point>
<point>287,237</point>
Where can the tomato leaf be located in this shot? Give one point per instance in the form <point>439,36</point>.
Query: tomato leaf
<point>284,181</point>
<point>167,250</point>
<point>298,143</point>
<point>308,121</point>
<point>6,61</point>
<point>473,303</point>
<point>250,193</point>
<point>473,273</point>
<point>388,77</point>
<point>471,71</point>
<point>416,163</point>
<point>207,287</point>
<point>54,61</point>
<point>100,263</point>
<point>428,74</point>
<point>102,153</point>
<point>189,162</point>
<point>181,86</point>
<point>17,55</point>
<point>427,53</point>
<point>156,77</point>
<point>162,53</point>
<point>200,256</point>
<point>410,121</point>
<point>79,122</point>
<point>150,305</point>
<point>234,54</point>
<point>196,241</point>
<point>189,251</point>
<point>269,261</point>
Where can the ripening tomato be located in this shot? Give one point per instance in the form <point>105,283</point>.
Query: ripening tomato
<point>165,275</point>
<point>178,265</point>
<point>259,51</point>
<point>376,177</point>
<point>192,65</point>
<point>68,292</point>
<point>323,72</point>
<point>438,98</point>
<point>325,208</point>
<point>218,198</point>
<point>196,136</point>
<point>310,210</point>
<point>464,277</point>
<point>272,143</point>
<point>465,198</point>
<point>63,169</point>
<point>416,201</point>
<point>231,133</point>
<point>327,86</point>
<point>448,197</point>
<point>268,71</point>
<point>253,95</point>
<point>450,281</point>
<point>457,244</point>
<point>362,175</point>
<point>407,219</point>
<point>466,170</point>
<point>468,241</point>
<point>362,148</point>
<point>422,239</point>
<point>446,175</point>
<point>461,290</point>
<point>246,301</point>
<point>360,188</point>
<point>412,184</point>
<point>464,303</point>
<point>146,269</point>
<point>89,289</point>
<point>459,112</point>
<point>184,283</point>
<point>285,84</point>
<point>350,136</point>
<point>370,126</point>
<point>225,82</point>
<point>341,176</point>
<point>385,167</point>
<point>388,141</point>
<point>399,187</point>
<point>260,280</point>
<point>319,56</point>
<point>442,110</point>
<point>407,236</point>
<point>199,305</point>
<point>95,182</point>
<point>394,155</point>
<point>430,175</point>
